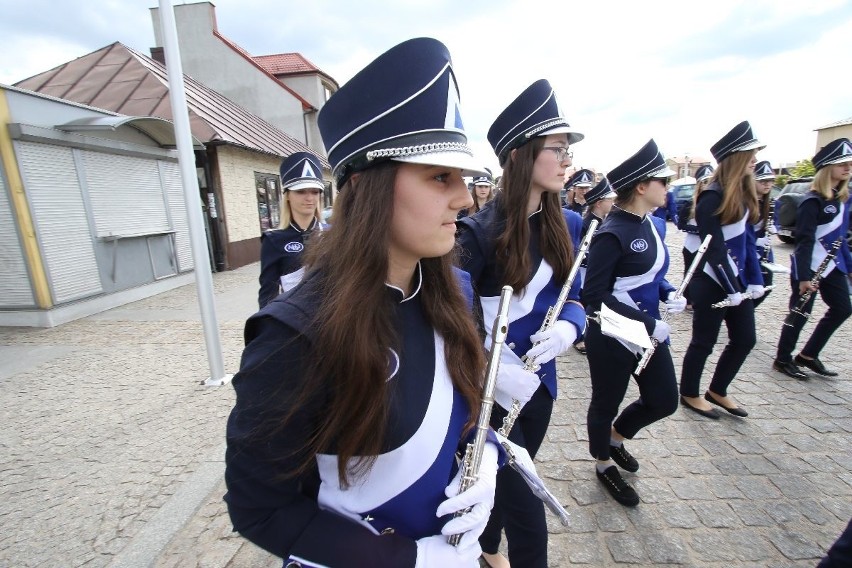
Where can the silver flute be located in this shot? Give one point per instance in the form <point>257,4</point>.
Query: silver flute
<point>549,320</point>
<point>746,296</point>
<point>472,460</point>
<point>649,352</point>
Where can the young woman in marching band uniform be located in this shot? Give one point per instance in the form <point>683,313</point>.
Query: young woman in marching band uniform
<point>357,387</point>
<point>525,239</point>
<point>821,218</point>
<point>628,260</point>
<point>764,179</point>
<point>281,249</point>
<point>727,210</point>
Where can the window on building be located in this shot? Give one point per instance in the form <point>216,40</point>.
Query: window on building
<point>268,200</point>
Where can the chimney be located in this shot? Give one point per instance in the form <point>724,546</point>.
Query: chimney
<point>157,54</point>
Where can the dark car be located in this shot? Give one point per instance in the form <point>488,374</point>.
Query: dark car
<point>682,191</point>
<point>786,205</point>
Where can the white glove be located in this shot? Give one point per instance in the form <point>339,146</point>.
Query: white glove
<point>771,230</point>
<point>661,331</point>
<point>436,552</point>
<point>480,497</point>
<point>514,383</point>
<point>755,291</point>
<point>548,344</point>
<point>735,299</point>
<point>761,242</point>
<point>675,305</point>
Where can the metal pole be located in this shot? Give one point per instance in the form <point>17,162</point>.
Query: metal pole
<point>186,159</point>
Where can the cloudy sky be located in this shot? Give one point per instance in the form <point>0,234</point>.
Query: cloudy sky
<point>681,72</point>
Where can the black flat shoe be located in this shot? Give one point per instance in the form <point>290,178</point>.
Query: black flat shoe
<point>814,365</point>
<point>790,369</point>
<point>736,410</point>
<point>705,413</point>
<point>617,487</point>
<point>622,457</point>
<point>581,348</point>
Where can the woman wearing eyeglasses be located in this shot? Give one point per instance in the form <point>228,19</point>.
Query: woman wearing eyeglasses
<point>526,240</point>
<point>281,249</point>
<point>628,260</point>
<point>729,271</point>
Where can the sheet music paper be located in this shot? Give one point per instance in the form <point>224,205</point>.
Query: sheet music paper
<point>625,329</point>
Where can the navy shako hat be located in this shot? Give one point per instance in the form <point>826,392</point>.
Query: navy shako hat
<point>301,170</point>
<point>603,190</point>
<point>581,178</point>
<point>763,170</point>
<point>484,180</point>
<point>835,152</point>
<point>404,106</point>
<point>739,139</point>
<point>647,163</point>
<point>704,172</point>
<point>534,112</point>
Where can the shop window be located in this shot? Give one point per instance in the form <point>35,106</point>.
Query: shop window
<point>268,200</point>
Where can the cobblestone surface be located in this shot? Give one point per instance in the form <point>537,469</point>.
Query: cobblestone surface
<point>104,421</point>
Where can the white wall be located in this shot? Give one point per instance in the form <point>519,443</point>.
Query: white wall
<point>236,178</point>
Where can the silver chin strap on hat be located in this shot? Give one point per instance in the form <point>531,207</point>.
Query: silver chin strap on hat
<point>418,150</point>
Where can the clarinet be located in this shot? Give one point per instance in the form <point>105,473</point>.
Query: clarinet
<point>649,352</point>
<point>473,452</point>
<point>799,308</point>
<point>549,320</point>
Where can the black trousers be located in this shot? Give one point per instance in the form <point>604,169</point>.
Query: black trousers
<point>516,508</point>
<point>611,365</point>
<point>834,290</point>
<point>768,277</point>
<point>706,323</point>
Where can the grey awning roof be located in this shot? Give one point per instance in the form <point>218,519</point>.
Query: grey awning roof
<point>160,130</point>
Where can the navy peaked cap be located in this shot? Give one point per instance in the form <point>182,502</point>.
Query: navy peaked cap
<point>581,178</point>
<point>404,106</point>
<point>763,170</point>
<point>301,170</point>
<point>647,163</point>
<point>739,139</point>
<point>835,152</point>
<point>603,190</point>
<point>704,172</point>
<point>483,180</point>
<point>534,112</point>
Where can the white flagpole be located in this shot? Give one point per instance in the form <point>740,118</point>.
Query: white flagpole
<point>186,159</point>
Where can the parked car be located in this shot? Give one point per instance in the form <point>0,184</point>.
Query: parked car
<point>786,205</point>
<point>683,189</point>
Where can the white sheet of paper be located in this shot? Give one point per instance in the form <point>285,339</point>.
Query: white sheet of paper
<point>616,325</point>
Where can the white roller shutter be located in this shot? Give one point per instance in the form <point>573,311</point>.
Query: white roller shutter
<point>125,194</point>
<point>173,186</point>
<point>59,214</point>
<point>15,288</point>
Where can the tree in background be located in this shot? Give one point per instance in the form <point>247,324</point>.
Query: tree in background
<point>803,168</point>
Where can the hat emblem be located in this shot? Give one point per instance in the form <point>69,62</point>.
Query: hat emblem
<point>639,245</point>
<point>308,171</point>
<point>830,209</point>
<point>294,246</point>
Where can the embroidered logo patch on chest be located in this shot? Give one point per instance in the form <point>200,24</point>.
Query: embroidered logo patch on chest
<point>294,246</point>
<point>639,245</point>
<point>830,209</point>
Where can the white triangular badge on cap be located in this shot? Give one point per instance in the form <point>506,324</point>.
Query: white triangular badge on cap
<point>453,120</point>
<point>846,150</point>
<point>308,170</point>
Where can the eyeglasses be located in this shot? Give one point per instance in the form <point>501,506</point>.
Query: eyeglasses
<point>562,153</point>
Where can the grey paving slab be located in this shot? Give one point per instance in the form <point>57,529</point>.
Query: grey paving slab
<point>107,438</point>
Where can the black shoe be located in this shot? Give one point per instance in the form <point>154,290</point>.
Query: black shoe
<point>617,487</point>
<point>622,457</point>
<point>735,410</point>
<point>814,365</point>
<point>580,347</point>
<point>790,369</point>
<point>705,413</point>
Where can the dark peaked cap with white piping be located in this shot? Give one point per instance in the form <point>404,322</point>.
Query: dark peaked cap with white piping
<point>301,170</point>
<point>739,139</point>
<point>647,163</point>
<point>763,170</point>
<point>835,152</point>
<point>404,106</point>
<point>534,112</point>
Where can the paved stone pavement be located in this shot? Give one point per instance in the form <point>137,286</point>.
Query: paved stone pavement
<point>112,450</point>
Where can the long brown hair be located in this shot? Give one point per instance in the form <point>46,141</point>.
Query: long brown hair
<point>738,191</point>
<point>353,330</point>
<point>822,186</point>
<point>513,243</point>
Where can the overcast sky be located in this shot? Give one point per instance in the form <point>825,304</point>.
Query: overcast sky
<point>681,72</point>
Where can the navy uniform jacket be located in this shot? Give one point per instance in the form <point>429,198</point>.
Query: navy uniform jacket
<point>310,518</point>
<point>731,258</point>
<point>764,253</point>
<point>819,222</point>
<point>628,260</point>
<point>280,254</point>
<point>477,235</point>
